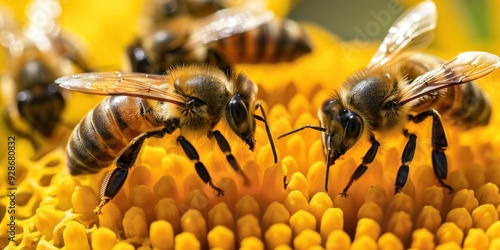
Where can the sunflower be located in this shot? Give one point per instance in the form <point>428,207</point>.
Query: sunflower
<point>165,205</point>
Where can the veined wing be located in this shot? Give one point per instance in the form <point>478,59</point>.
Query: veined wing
<point>466,67</point>
<point>413,29</point>
<point>225,23</point>
<point>148,86</point>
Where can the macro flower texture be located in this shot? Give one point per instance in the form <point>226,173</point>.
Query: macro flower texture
<point>164,204</point>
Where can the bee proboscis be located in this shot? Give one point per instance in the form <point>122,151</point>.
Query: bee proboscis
<point>396,88</point>
<point>192,98</point>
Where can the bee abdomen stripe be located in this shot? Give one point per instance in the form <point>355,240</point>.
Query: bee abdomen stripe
<point>471,107</point>
<point>106,129</point>
<point>76,167</point>
<point>94,144</point>
<point>80,161</point>
<point>116,114</point>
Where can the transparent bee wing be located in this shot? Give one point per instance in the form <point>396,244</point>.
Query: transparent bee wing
<point>252,4</point>
<point>466,67</point>
<point>413,29</point>
<point>148,86</point>
<point>225,23</point>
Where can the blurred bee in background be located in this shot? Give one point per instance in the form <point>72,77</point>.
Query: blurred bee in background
<point>171,34</point>
<point>156,11</point>
<point>396,88</point>
<point>36,57</point>
<point>193,99</point>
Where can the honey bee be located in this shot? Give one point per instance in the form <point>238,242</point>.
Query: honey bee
<point>397,88</point>
<point>251,35</point>
<point>191,98</point>
<point>157,11</point>
<point>36,57</point>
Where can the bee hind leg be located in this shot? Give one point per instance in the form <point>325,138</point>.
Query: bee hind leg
<point>114,180</point>
<point>367,159</point>
<point>198,165</point>
<point>406,159</point>
<point>439,145</point>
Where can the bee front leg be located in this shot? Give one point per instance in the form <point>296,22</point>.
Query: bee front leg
<point>198,165</point>
<point>367,159</point>
<point>224,147</point>
<point>439,145</point>
<point>406,159</point>
<point>114,180</point>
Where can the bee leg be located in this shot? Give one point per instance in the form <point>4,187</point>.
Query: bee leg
<point>224,146</point>
<point>198,165</point>
<point>439,145</point>
<point>367,159</point>
<point>114,180</point>
<point>406,159</point>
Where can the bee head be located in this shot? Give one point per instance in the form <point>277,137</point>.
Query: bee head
<point>165,46</point>
<point>240,109</point>
<point>343,128</point>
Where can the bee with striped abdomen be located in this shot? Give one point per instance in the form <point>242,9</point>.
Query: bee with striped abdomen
<point>36,56</point>
<point>396,88</point>
<point>251,35</point>
<point>193,99</point>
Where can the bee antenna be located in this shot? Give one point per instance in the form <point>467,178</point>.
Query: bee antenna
<point>319,128</point>
<point>328,162</point>
<point>264,120</point>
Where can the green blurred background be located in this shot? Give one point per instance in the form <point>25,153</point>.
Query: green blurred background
<point>344,18</point>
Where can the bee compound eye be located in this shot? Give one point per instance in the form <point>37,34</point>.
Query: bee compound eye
<point>353,125</point>
<point>238,117</point>
<point>238,110</point>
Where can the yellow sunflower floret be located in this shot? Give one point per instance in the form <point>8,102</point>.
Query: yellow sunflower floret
<point>165,205</point>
